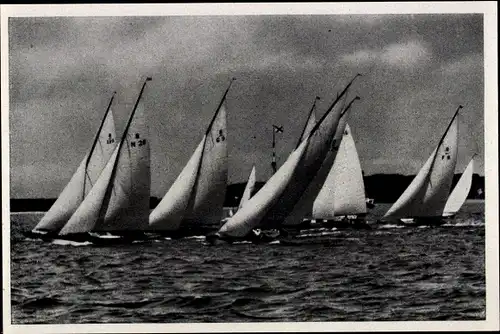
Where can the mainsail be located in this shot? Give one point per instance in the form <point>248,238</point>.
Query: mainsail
<point>343,192</point>
<point>274,202</point>
<point>427,193</point>
<point>460,192</point>
<point>85,176</point>
<point>249,188</point>
<point>119,200</point>
<point>197,195</point>
<point>304,206</point>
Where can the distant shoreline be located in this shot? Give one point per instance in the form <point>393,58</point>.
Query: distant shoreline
<point>383,188</point>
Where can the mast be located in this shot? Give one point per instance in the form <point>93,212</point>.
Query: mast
<point>349,105</point>
<point>96,138</point>
<point>280,130</point>
<point>115,165</point>
<point>339,96</point>
<point>220,105</point>
<point>307,120</point>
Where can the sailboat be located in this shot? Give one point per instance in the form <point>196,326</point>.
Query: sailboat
<point>117,207</point>
<point>304,206</point>
<point>425,198</point>
<point>194,203</point>
<point>460,192</point>
<point>274,202</point>
<point>81,182</point>
<point>343,193</point>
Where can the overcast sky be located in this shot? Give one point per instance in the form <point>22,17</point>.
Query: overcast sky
<point>417,70</point>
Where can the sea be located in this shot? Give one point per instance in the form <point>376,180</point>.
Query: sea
<point>389,273</point>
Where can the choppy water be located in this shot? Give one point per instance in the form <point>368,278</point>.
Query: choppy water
<point>389,273</point>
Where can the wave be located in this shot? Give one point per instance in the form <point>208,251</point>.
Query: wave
<point>197,237</point>
<point>388,226</point>
<point>466,224</point>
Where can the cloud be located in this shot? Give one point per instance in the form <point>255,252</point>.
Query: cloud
<point>405,55</point>
<point>361,57</point>
<point>63,70</point>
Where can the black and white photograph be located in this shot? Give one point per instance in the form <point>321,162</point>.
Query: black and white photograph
<point>242,167</point>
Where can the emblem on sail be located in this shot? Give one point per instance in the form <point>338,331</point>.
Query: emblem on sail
<point>197,195</point>
<point>84,177</point>
<point>119,200</point>
<point>427,194</point>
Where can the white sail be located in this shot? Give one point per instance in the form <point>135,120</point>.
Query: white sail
<point>344,192</point>
<point>249,188</point>
<point>304,206</point>
<point>427,193</point>
<point>460,192</point>
<point>277,199</point>
<point>119,200</point>
<point>128,205</point>
<point>207,200</point>
<point>84,178</point>
<point>250,215</point>
<point>197,196</point>
<point>168,214</point>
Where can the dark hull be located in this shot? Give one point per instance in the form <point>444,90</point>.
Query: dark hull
<point>262,238</point>
<point>185,232</point>
<point>49,236</point>
<point>357,224</point>
<point>119,238</point>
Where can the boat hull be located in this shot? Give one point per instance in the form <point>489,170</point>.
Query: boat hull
<point>113,238</point>
<point>45,236</point>
<point>357,223</point>
<point>185,232</point>
<point>254,237</point>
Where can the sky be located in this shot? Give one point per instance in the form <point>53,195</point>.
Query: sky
<point>416,70</point>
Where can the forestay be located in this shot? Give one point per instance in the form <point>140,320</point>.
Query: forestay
<point>85,176</point>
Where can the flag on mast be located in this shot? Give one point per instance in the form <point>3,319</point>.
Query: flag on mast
<point>276,129</point>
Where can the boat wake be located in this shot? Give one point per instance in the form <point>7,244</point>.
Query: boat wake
<point>389,226</point>
<point>63,242</point>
